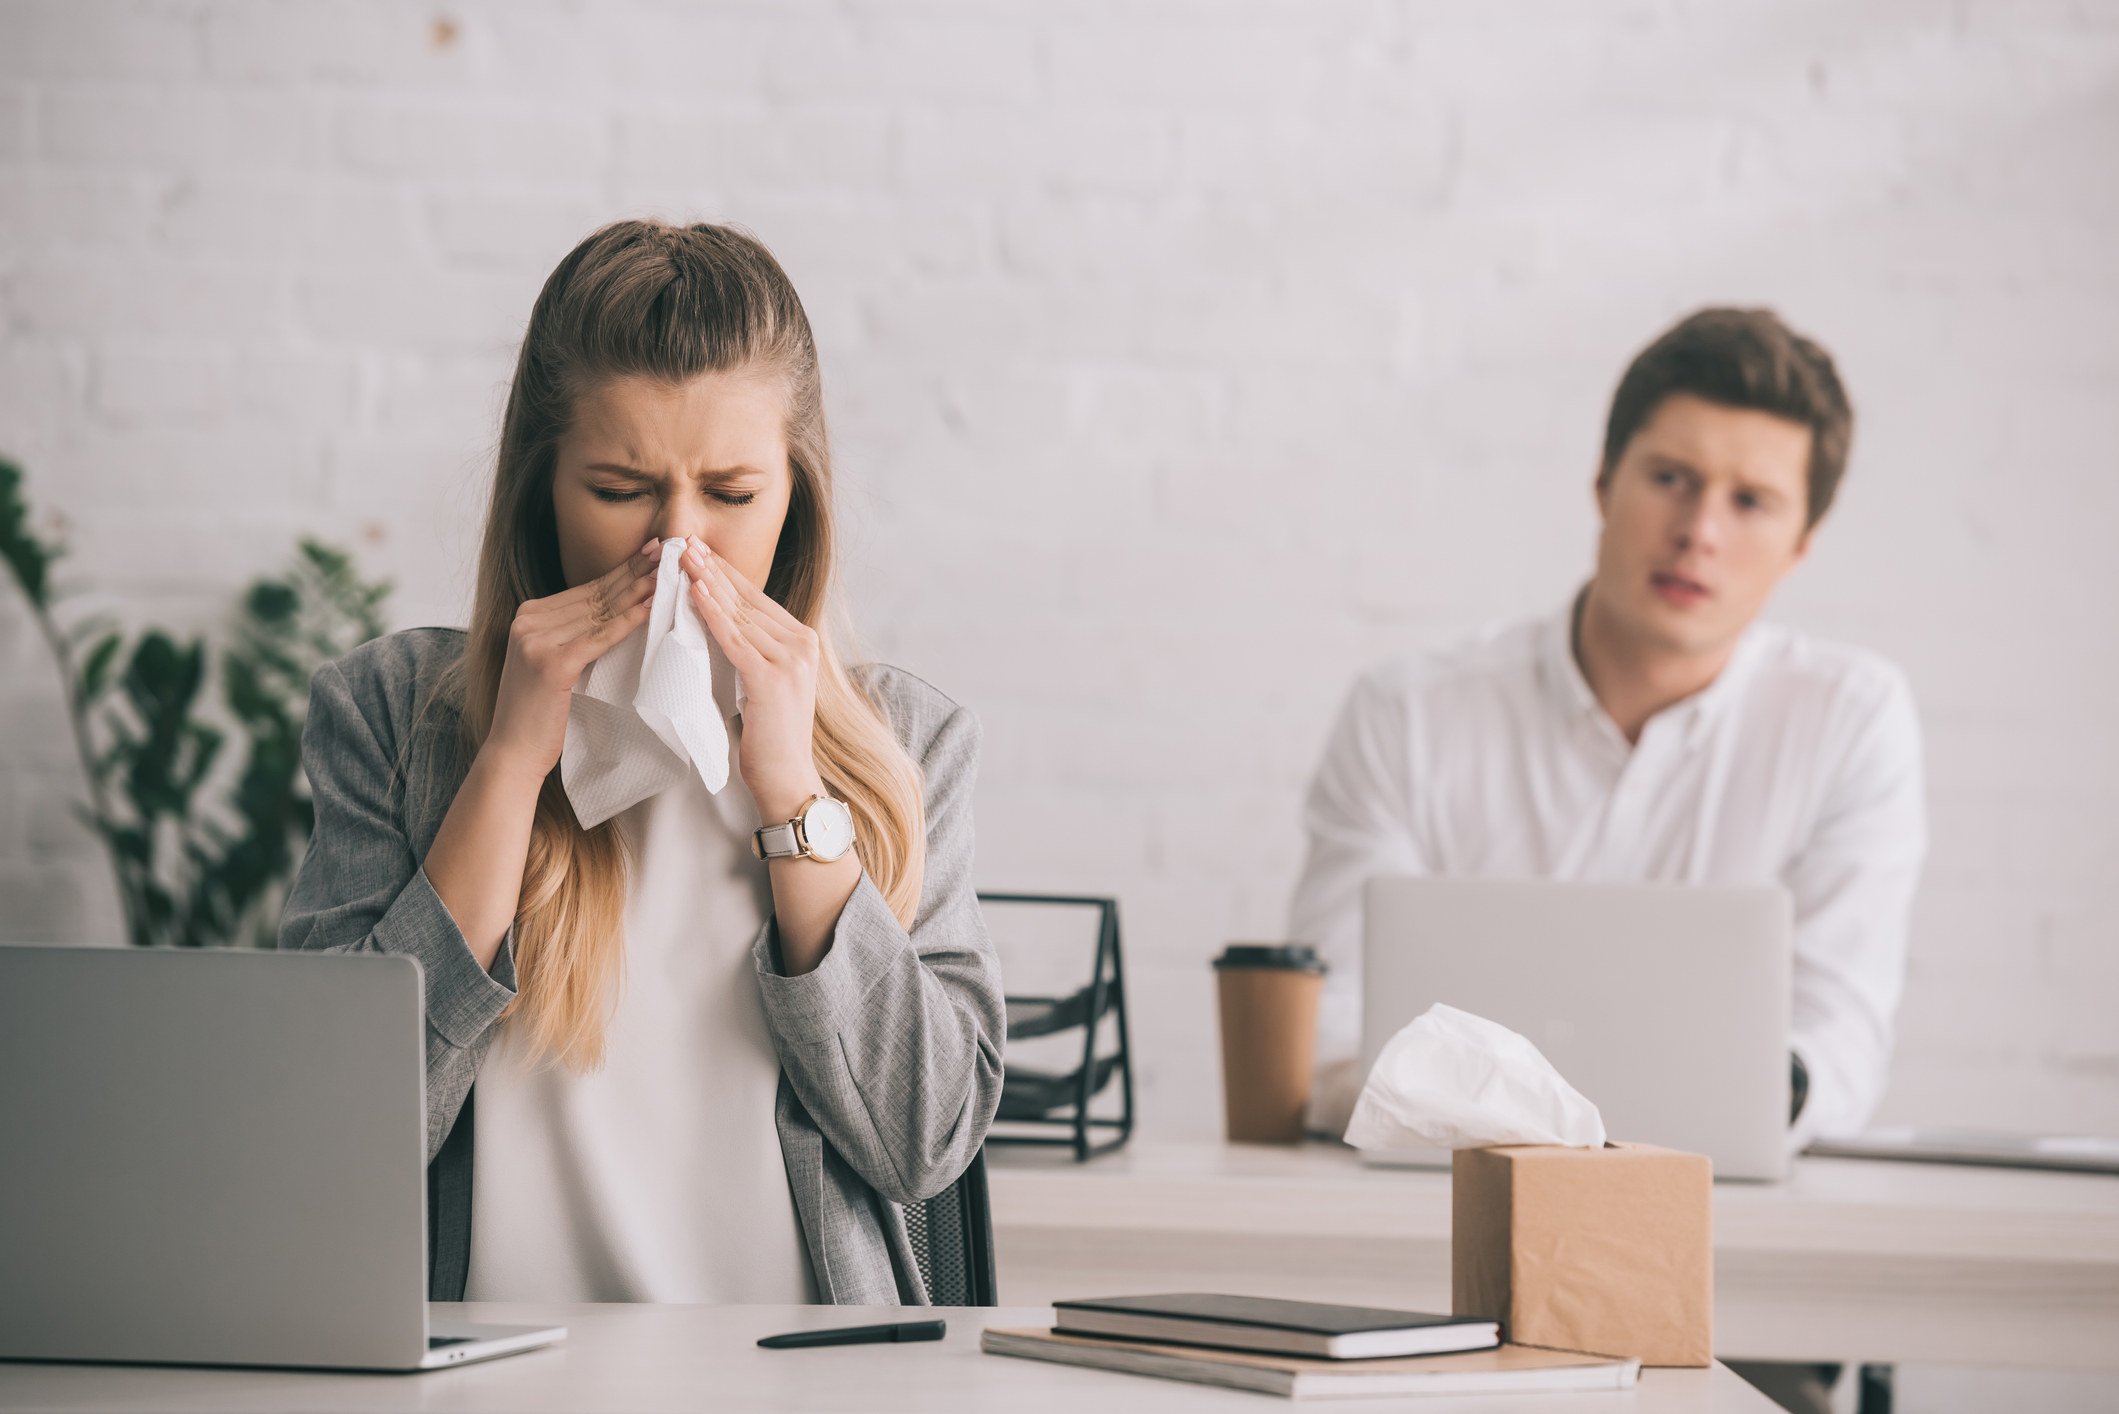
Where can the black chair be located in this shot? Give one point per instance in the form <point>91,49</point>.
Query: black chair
<point>1042,1107</point>
<point>449,1209</point>
<point>952,1240</point>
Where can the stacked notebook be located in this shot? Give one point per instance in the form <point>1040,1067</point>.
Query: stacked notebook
<point>1303,1349</point>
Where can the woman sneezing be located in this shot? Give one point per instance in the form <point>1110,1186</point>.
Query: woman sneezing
<point>699,1038</point>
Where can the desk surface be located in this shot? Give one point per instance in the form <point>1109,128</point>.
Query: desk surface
<point>1848,1259</point>
<point>1827,1205</point>
<point>649,1358</point>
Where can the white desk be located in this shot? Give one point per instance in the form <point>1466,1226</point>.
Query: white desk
<point>1849,1260</point>
<point>641,1359</point>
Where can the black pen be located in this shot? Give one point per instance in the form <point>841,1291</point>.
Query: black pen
<point>859,1335</point>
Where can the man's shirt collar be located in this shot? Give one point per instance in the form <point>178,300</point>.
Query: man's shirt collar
<point>1572,697</point>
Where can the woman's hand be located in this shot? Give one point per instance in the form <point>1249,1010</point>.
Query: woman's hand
<point>777,654</point>
<point>551,641</point>
<point>479,853</point>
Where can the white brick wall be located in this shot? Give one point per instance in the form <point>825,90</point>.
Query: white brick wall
<point>1184,358</point>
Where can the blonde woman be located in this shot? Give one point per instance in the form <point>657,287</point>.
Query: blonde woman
<point>699,1076</point>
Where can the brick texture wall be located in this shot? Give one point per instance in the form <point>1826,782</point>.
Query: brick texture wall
<point>1184,357</point>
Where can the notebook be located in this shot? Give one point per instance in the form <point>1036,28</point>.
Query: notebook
<point>1278,1327</point>
<point>1506,1369</point>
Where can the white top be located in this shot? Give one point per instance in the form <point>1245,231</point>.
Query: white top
<point>658,1177</point>
<point>1799,765</point>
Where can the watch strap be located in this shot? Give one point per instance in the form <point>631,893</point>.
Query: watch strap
<point>778,842</point>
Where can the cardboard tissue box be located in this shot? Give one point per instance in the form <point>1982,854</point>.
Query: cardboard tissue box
<point>1567,1240</point>
<point>1606,1250</point>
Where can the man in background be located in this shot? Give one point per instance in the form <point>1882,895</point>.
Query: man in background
<point>1653,729</point>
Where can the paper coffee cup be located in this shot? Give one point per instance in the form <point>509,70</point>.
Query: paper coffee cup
<point>1268,1037</point>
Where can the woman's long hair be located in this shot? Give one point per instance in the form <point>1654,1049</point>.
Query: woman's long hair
<point>646,299</point>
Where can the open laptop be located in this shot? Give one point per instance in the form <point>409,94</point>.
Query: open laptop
<point>1666,1005</point>
<point>218,1158</point>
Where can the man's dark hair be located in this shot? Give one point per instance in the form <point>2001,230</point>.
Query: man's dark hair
<point>1740,358</point>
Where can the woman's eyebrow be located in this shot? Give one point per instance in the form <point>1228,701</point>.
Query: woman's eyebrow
<point>616,469</point>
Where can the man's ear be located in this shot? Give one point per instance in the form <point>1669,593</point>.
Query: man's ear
<point>1802,545</point>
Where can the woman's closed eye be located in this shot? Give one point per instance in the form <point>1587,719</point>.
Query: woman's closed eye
<point>619,495</point>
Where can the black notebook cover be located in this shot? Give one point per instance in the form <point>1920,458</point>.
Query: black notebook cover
<point>1312,1317</point>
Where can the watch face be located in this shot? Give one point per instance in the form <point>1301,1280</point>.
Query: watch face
<point>827,827</point>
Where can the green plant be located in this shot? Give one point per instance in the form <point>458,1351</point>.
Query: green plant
<point>196,869</point>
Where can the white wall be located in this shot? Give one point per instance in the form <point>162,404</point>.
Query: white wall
<point>1185,356</point>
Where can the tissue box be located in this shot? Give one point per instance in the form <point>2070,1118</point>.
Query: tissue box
<point>1609,1251</point>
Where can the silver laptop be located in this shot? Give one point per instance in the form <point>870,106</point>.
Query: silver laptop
<point>1666,1005</point>
<point>218,1158</point>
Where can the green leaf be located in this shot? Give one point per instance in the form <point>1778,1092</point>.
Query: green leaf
<point>95,669</point>
<point>272,601</point>
<point>255,703</point>
<point>129,843</point>
<point>29,558</point>
<point>204,745</point>
<point>162,680</point>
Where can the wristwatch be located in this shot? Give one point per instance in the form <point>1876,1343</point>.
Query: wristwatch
<point>823,831</point>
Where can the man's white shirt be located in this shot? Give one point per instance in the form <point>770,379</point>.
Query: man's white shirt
<point>1799,765</point>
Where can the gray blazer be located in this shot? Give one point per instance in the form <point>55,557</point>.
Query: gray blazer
<point>890,1051</point>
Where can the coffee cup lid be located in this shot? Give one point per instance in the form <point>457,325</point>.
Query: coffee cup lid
<point>1291,957</point>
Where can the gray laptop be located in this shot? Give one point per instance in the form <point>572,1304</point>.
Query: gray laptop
<point>1666,1005</point>
<point>218,1158</point>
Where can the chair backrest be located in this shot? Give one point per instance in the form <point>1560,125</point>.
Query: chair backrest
<point>952,1239</point>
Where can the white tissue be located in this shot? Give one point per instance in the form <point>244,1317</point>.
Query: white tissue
<point>1451,1080</point>
<point>647,710</point>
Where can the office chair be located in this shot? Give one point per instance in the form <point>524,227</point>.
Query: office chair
<point>952,1239</point>
<point>449,1209</point>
